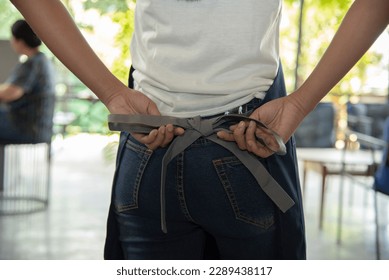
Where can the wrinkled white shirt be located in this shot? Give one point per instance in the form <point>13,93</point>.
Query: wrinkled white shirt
<point>203,57</point>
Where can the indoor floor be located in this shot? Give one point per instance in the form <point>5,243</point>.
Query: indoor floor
<point>73,226</point>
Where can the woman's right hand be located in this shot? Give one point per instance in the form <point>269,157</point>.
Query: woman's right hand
<point>133,102</point>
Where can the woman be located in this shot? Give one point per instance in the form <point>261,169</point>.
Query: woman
<point>28,94</point>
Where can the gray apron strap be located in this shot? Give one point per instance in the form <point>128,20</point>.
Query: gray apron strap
<point>194,129</point>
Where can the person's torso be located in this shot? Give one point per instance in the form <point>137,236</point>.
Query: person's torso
<point>34,110</point>
<point>204,57</point>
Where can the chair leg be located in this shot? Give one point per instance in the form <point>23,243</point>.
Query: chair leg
<point>340,207</point>
<point>48,173</point>
<point>377,228</point>
<point>304,178</point>
<point>322,198</point>
<point>2,162</point>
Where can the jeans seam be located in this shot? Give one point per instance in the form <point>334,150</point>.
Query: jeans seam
<point>231,196</point>
<point>146,154</point>
<point>180,187</point>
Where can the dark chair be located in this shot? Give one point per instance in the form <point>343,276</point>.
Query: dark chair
<point>379,170</point>
<point>317,130</point>
<point>381,180</point>
<point>25,165</point>
<point>368,118</point>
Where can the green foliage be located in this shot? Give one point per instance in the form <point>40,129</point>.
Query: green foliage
<point>90,117</point>
<point>108,6</point>
<point>121,65</point>
<point>122,13</point>
<point>8,15</point>
<point>321,19</point>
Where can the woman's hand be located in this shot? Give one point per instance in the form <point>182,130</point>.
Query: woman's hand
<point>282,115</point>
<point>133,102</point>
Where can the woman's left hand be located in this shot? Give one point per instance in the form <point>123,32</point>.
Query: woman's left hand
<point>282,115</point>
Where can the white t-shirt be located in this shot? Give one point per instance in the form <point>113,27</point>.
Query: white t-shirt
<point>203,57</point>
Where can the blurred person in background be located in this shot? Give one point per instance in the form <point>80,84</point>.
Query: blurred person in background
<point>27,96</point>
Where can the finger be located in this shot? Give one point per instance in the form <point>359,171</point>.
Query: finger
<point>169,134</point>
<point>255,146</point>
<point>250,136</point>
<point>233,127</point>
<point>260,150</point>
<point>158,140</point>
<point>268,138</point>
<point>225,135</point>
<point>150,139</point>
<point>146,138</point>
<point>239,135</point>
<point>178,131</point>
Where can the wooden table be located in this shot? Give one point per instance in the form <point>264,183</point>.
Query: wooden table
<point>330,161</point>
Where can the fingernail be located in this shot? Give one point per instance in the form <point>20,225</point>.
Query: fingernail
<point>153,132</point>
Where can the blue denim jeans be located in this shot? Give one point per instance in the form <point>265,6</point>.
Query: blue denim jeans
<point>209,192</point>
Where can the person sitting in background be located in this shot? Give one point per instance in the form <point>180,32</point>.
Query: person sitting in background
<point>381,178</point>
<point>27,96</point>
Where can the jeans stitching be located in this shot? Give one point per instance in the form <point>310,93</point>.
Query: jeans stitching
<point>219,166</point>
<point>180,186</point>
<point>145,156</point>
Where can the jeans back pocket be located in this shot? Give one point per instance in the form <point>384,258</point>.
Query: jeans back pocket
<point>128,176</point>
<point>248,201</point>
